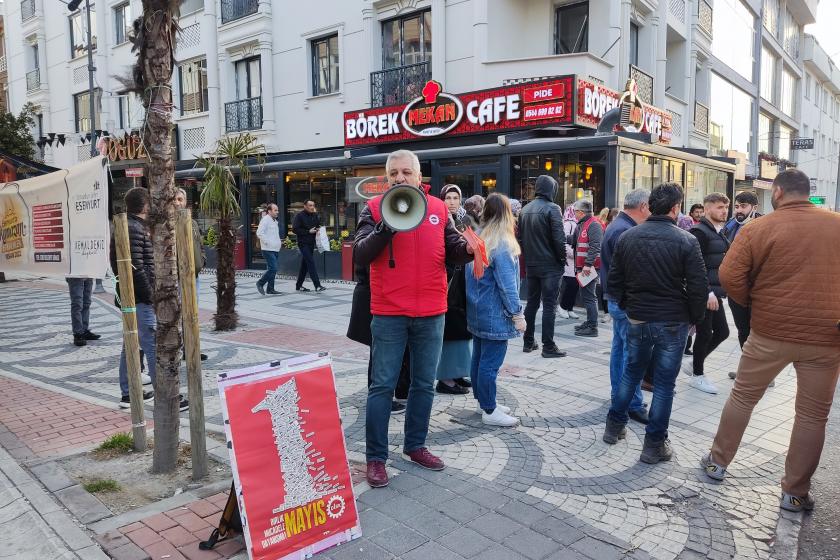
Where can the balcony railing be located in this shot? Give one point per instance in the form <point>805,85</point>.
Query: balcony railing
<point>398,85</point>
<point>704,16</point>
<point>644,83</point>
<point>27,9</point>
<point>233,10</point>
<point>243,115</point>
<point>701,118</point>
<point>33,80</point>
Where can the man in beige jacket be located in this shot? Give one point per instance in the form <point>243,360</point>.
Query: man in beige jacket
<point>787,253</point>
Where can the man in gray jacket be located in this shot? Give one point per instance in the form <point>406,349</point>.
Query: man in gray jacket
<point>586,244</point>
<point>544,248</point>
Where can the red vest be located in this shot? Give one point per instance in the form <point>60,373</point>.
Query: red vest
<point>583,245</point>
<point>416,286</point>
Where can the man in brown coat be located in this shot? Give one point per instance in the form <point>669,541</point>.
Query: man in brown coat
<point>786,267</point>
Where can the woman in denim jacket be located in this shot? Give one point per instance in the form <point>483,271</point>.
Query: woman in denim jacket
<point>494,313</point>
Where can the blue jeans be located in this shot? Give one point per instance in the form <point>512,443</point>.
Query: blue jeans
<point>307,264</point>
<point>662,342</point>
<point>487,358</point>
<point>424,336</point>
<point>146,332</point>
<point>618,356</point>
<point>267,279</point>
<point>80,290</point>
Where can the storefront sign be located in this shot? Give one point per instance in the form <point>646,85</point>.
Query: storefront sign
<point>134,172</point>
<point>436,113</point>
<point>594,100</point>
<point>128,147</point>
<point>288,458</point>
<point>57,223</point>
<point>362,189</point>
<point>801,143</point>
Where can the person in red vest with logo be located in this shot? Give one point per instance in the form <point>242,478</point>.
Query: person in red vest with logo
<point>408,303</point>
<point>586,244</point>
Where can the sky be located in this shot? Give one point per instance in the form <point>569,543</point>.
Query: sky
<point>825,30</point>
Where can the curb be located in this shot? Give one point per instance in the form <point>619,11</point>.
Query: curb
<point>786,545</point>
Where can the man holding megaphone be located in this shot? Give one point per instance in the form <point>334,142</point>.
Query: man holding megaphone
<point>406,238</point>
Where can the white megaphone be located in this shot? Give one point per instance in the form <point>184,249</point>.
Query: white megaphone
<point>403,207</point>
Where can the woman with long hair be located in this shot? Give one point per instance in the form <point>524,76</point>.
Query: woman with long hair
<point>494,312</point>
<point>604,216</point>
<point>454,365</point>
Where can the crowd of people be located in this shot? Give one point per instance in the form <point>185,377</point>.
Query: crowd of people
<point>661,274</point>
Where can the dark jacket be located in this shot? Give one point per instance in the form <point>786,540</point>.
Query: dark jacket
<point>541,231</point>
<point>596,236</point>
<point>455,327</point>
<point>657,273</point>
<point>713,245</point>
<point>360,317</point>
<point>622,223</point>
<point>142,260</point>
<point>732,227</point>
<point>303,222</point>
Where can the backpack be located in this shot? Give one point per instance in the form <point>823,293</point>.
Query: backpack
<point>229,524</point>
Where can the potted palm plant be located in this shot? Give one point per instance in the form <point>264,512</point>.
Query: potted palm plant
<point>220,200</point>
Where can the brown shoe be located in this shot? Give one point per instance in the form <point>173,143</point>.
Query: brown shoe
<point>425,459</point>
<point>377,477</point>
<point>647,386</point>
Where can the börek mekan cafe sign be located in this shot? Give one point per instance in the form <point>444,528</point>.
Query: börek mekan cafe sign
<point>565,100</point>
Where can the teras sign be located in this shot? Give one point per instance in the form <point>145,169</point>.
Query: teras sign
<point>564,100</point>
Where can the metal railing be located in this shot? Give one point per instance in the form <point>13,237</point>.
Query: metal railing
<point>243,115</point>
<point>677,9</point>
<point>644,83</point>
<point>398,85</point>
<point>704,16</point>
<point>27,9</point>
<point>701,118</point>
<point>33,80</point>
<point>233,10</point>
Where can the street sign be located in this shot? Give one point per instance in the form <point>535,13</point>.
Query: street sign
<point>801,143</point>
<point>134,172</point>
<point>817,199</point>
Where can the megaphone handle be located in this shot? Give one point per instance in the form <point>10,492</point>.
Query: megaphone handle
<point>391,262</point>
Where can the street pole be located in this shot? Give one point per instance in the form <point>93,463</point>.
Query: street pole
<point>91,70</point>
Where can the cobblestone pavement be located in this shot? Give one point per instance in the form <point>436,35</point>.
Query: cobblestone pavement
<point>549,488</point>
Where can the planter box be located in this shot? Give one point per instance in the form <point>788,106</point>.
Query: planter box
<point>332,264</point>
<point>212,257</point>
<point>288,262</point>
<point>327,264</point>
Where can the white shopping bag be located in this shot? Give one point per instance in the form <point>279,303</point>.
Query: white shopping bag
<point>322,242</point>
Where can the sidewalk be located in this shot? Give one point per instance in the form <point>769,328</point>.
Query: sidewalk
<point>547,489</point>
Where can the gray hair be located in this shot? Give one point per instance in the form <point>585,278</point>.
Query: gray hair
<point>635,198</point>
<point>583,206</point>
<point>183,192</point>
<point>403,154</point>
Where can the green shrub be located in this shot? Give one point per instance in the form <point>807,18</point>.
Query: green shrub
<point>107,485</point>
<point>122,442</point>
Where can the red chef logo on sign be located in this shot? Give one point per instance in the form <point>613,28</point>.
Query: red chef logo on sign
<point>434,113</point>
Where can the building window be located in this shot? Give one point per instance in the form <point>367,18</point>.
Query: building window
<point>122,23</point>
<point>771,17</point>
<point>788,104</point>
<point>807,86</point>
<point>81,105</point>
<point>193,78</point>
<point>733,33</point>
<point>765,134</point>
<point>768,75</point>
<point>790,35</point>
<point>78,33</point>
<point>246,112</point>
<point>785,134</point>
<point>325,65</point>
<point>729,117</point>
<point>571,28</point>
<point>190,6</point>
<point>407,40</point>
<point>131,111</point>
<point>248,78</point>
<point>634,44</point>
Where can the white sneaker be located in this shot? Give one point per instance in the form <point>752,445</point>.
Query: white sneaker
<point>503,408</point>
<point>688,367</point>
<point>499,418</point>
<point>562,313</point>
<point>144,377</point>
<point>604,318</point>
<point>700,382</point>
<point>573,315</point>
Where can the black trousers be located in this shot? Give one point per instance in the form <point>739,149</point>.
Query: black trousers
<point>404,380</point>
<point>710,333</point>
<point>569,291</point>
<point>741,315</point>
<point>544,289</point>
<point>307,264</point>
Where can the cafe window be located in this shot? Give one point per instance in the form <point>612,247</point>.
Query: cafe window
<point>578,176</point>
<point>193,79</point>
<point>571,28</point>
<point>643,172</point>
<point>328,188</point>
<point>636,171</point>
<point>81,105</point>
<point>407,40</point>
<point>78,32</point>
<point>325,65</point>
<point>701,181</point>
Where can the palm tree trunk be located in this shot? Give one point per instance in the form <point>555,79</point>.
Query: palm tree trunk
<point>226,317</point>
<point>153,72</point>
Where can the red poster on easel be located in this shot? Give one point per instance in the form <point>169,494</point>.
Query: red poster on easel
<point>288,458</point>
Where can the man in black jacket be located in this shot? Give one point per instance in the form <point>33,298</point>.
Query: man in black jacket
<point>544,249</point>
<point>713,330</point>
<point>658,277</point>
<point>305,226</point>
